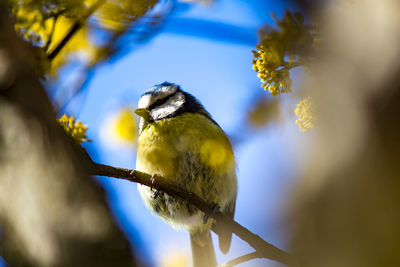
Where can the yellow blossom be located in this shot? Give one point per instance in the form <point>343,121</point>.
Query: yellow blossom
<point>266,63</point>
<point>281,50</point>
<point>119,129</point>
<point>74,128</point>
<point>125,126</point>
<point>306,115</point>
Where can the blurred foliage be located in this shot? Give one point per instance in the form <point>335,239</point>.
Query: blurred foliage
<point>125,126</point>
<point>45,23</point>
<point>35,20</point>
<point>346,200</point>
<point>74,128</point>
<point>116,14</point>
<point>306,115</point>
<point>263,111</point>
<point>279,51</point>
<point>119,129</point>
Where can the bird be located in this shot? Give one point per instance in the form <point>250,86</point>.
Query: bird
<point>180,141</point>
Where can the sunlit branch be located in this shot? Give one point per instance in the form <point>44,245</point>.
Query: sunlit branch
<point>292,65</point>
<point>53,26</point>
<point>55,16</point>
<point>263,248</point>
<point>75,27</point>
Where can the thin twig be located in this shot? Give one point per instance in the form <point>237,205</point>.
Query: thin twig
<point>47,45</point>
<point>75,27</point>
<point>263,248</point>
<point>241,259</point>
<point>292,65</point>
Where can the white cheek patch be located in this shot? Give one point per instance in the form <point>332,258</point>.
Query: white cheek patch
<point>169,107</point>
<point>146,100</point>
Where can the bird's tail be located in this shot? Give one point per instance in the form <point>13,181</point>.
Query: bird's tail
<point>202,250</point>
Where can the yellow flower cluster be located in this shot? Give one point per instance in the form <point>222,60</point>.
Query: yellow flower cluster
<point>281,50</point>
<point>45,24</point>
<point>35,20</point>
<point>74,128</point>
<point>305,114</point>
<point>265,62</point>
<point>30,24</point>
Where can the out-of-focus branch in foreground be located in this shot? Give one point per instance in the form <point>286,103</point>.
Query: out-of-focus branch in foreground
<point>52,213</point>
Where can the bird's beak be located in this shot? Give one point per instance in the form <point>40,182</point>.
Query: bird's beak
<point>142,112</point>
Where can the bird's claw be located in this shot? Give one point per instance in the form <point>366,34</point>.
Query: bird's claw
<point>214,209</point>
<point>152,180</point>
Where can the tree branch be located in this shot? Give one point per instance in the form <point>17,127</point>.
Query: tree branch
<point>292,65</point>
<point>263,248</point>
<point>241,259</point>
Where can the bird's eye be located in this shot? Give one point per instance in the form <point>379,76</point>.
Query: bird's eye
<point>160,102</point>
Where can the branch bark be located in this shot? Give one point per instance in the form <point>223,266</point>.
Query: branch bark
<point>263,248</point>
<point>241,259</point>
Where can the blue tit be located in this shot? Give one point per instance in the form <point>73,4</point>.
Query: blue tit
<point>179,140</point>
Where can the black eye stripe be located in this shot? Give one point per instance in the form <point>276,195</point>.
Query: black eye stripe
<point>162,101</point>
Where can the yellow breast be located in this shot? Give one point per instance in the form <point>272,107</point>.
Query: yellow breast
<point>164,145</point>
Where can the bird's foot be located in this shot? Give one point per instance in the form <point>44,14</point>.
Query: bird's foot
<point>153,180</point>
<point>215,208</point>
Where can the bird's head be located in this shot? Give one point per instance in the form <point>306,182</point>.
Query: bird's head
<point>166,100</point>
